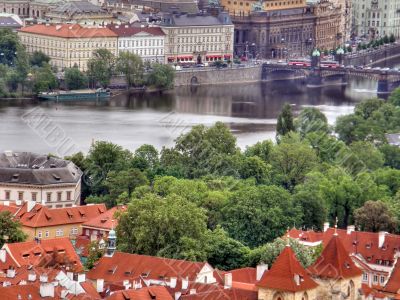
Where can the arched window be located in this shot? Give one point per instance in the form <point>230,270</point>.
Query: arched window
<point>351,290</point>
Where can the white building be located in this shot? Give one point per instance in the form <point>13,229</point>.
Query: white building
<point>376,18</point>
<point>51,181</point>
<point>198,38</point>
<point>147,42</point>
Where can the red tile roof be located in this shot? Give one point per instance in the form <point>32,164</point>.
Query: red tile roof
<point>334,262</point>
<point>393,284</point>
<point>221,293</point>
<point>41,216</point>
<point>147,293</point>
<point>59,251</point>
<point>10,208</point>
<point>122,266</point>
<point>68,31</point>
<point>368,291</point>
<point>283,272</point>
<point>107,220</point>
<point>126,30</point>
<point>356,242</point>
<point>12,292</point>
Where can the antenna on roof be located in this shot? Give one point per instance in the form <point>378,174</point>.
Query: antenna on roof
<point>287,238</point>
<point>336,221</point>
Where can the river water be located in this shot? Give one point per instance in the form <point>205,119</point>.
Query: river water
<point>250,110</point>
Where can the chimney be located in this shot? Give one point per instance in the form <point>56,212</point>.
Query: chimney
<point>185,283</point>
<point>381,238</point>
<point>100,285</point>
<point>18,202</point>
<point>172,282</point>
<point>350,229</point>
<point>126,284</point>
<point>64,294</point>
<point>30,205</point>
<point>177,295</point>
<point>22,282</point>
<point>10,273</point>
<point>192,291</point>
<point>326,226</point>
<point>70,275</point>
<point>58,27</point>
<point>81,277</point>
<point>46,290</point>
<point>6,203</point>
<point>261,268</point>
<point>228,280</point>
<point>3,255</point>
<point>297,279</point>
<point>43,278</point>
<point>32,277</point>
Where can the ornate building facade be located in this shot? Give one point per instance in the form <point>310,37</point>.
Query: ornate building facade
<point>328,34</point>
<point>374,18</point>
<point>275,34</point>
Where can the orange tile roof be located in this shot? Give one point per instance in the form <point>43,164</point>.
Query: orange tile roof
<point>10,208</point>
<point>246,275</point>
<point>147,293</point>
<point>358,242</point>
<point>68,31</point>
<point>12,292</point>
<point>42,216</point>
<point>221,293</point>
<point>105,221</point>
<point>58,251</point>
<point>393,284</point>
<point>122,266</point>
<point>368,291</point>
<point>334,262</point>
<point>282,274</point>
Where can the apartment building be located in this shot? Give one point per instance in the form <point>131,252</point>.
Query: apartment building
<point>67,45</point>
<point>50,181</point>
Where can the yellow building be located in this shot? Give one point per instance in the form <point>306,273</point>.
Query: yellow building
<point>67,45</point>
<point>43,223</point>
<point>244,7</point>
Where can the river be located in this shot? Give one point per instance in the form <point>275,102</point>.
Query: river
<point>250,110</point>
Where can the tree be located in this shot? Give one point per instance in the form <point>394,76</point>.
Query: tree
<point>118,182</point>
<point>224,252</point>
<point>352,128</point>
<point>255,167</point>
<point>10,229</point>
<point>162,76</point>
<point>311,120</point>
<point>95,252</point>
<point>44,80</point>
<point>75,79</point>
<point>146,158</point>
<point>260,149</point>
<point>10,45</point>
<point>131,65</point>
<point>169,227</point>
<point>369,156</point>
<point>388,178</point>
<point>392,39</point>
<point>394,97</point>
<point>291,160</point>
<point>255,215</point>
<point>391,154</point>
<point>101,67</point>
<point>365,109</point>
<point>268,253</point>
<point>375,216</point>
<point>285,121</point>
<point>39,59</point>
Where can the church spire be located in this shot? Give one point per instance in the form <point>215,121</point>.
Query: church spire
<point>112,241</point>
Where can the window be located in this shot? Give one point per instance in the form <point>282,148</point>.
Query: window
<point>382,280</point>
<point>59,232</point>
<point>39,234</point>
<point>365,277</point>
<point>47,233</point>
<point>375,278</point>
<point>48,197</point>
<point>7,195</point>
<point>59,196</point>
<point>74,230</point>
<point>21,196</point>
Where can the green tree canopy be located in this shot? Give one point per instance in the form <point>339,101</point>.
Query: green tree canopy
<point>285,121</point>
<point>162,76</point>
<point>10,229</point>
<point>375,216</point>
<point>75,79</point>
<point>311,120</point>
<point>44,80</point>
<point>131,65</point>
<point>101,67</point>
<point>38,59</point>
<point>170,227</point>
<point>256,215</point>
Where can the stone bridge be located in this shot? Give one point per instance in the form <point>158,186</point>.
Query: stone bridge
<point>314,77</point>
<point>373,57</point>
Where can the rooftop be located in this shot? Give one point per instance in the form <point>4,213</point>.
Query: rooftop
<point>78,7</point>
<point>31,168</point>
<point>68,31</point>
<point>126,30</point>
<point>199,19</point>
<point>107,220</point>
